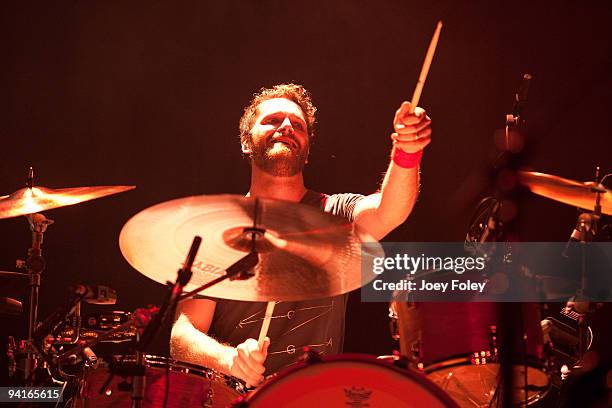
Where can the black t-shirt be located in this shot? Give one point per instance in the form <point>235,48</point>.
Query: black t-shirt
<point>318,324</point>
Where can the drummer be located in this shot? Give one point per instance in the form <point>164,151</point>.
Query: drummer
<point>276,131</point>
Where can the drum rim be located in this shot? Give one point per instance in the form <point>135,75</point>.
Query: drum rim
<point>353,357</point>
<point>465,360</point>
<point>183,367</point>
<point>203,374</point>
<point>155,359</point>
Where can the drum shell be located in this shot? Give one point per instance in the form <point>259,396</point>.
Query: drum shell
<point>457,345</point>
<point>189,385</point>
<point>432,332</point>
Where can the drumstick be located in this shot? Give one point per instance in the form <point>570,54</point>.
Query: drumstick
<point>266,324</point>
<point>425,69</point>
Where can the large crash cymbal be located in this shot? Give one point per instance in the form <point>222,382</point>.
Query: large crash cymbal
<point>304,253</point>
<point>36,199</point>
<point>578,194</point>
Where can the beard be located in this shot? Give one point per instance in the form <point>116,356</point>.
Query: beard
<point>278,159</point>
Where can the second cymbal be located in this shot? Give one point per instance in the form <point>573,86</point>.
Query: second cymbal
<point>30,200</point>
<point>578,194</point>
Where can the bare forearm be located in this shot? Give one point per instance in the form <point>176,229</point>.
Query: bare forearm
<point>384,211</point>
<point>191,345</point>
<point>398,194</point>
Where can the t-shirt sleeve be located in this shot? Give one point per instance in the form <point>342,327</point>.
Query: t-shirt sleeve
<point>343,204</point>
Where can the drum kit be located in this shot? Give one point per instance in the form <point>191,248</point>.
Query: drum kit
<point>267,250</point>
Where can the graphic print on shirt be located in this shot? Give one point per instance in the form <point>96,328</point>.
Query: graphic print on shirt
<point>303,317</point>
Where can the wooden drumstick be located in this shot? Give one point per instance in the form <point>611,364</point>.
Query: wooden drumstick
<point>266,324</point>
<point>425,69</point>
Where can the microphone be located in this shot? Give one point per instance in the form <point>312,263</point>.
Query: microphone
<point>520,97</point>
<point>90,357</point>
<point>169,305</point>
<point>515,120</point>
<point>582,232</point>
<point>484,227</point>
<point>99,295</point>
<point>95,294</point>
<point>86,355</point>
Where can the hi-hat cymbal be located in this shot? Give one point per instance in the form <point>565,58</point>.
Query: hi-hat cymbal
<point>304,253</point>
<point>578,194</point>
<point>36,199</point>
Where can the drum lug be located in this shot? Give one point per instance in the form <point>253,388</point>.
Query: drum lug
<point>401,362</point>
<point>493,357</point>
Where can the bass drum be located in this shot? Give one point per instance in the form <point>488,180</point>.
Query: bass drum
<point>456,345</point>
<point>348,380</point>
<point>187,385</point>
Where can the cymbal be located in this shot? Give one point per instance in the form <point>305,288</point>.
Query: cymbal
<point>304,253</point>
<point>32,200</point>
<point>578,194</point>
<point>9,306</point>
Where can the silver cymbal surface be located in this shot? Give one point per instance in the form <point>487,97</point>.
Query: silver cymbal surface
<point>304,253</point>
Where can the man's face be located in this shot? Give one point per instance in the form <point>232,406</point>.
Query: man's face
<point>279,138</point>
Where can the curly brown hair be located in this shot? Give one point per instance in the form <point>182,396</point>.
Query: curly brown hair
<point>293,92</point>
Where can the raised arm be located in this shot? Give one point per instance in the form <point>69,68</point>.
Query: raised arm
<point>190,343</point>
<point>382,212</point>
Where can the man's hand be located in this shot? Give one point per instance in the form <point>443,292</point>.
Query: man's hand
<point>412,130</point>
<point>247,361</point>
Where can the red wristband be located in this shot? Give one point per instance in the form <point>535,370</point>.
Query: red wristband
<point>407,160</point>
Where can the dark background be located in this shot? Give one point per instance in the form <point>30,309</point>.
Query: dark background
<point>150,93</point>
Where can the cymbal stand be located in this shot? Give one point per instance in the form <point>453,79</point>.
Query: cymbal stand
<point>35,264</point>
<point>512,146</point>
<point>584,232</point>
<point>239,270</point>
<point>587,227</point>
<point>183,277</point>
<point>243,269</point>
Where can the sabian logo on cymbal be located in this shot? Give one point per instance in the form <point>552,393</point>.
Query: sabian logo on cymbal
<point>206,267</point>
